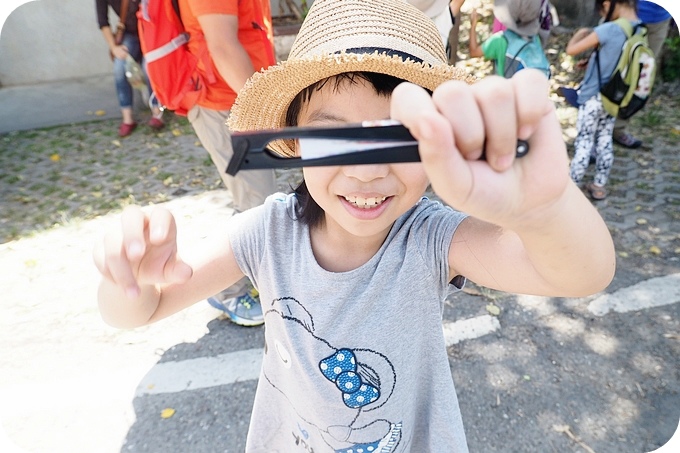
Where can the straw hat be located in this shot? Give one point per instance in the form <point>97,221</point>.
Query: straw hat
<point>383,36</point>
<point>520,16</point>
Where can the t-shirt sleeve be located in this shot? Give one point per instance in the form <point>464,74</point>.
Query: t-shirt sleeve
<point>248,234</point>
<point>494,49</point>
<point>604,31</point>
<point>102,9</point>
<point>436,227</point>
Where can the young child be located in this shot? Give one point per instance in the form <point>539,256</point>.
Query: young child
<point>517,45</point>
<point>545,20</point>
<point>353,268</point>
<point>594,125</point>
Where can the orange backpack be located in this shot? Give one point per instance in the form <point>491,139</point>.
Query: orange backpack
<point>170,66</point>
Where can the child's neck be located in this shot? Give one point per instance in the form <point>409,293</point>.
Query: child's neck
<point>625,12</point>
<point>337,250</point>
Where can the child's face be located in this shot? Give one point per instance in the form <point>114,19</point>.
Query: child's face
<point>363,200</point>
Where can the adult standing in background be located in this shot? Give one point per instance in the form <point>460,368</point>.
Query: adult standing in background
<point>657,20</point>
<point>238,36</point>
<point>444,14</point>
<point>124,42</point>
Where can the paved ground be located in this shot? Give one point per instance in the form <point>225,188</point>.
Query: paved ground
<point>534,374</point>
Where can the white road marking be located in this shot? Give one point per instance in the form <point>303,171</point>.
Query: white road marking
<point>468,329</point>
<point>192,374</point>
<point>654,292</point>
<point>224,369</point>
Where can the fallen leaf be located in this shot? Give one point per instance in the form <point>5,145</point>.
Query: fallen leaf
<point>167,181</point>
<point>677,250</point>
<point>623,254</point>
<point>526,377</point>
<point>55,157</point>
<point>655,250</point>
<point>176,132</point>
<point>493,309</point>
<point>167,412</point>
<point>100,112</point>
<point>641,221</point>
<point>115,143</point>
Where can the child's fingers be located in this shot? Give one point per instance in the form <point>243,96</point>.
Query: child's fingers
<point>133,224</point>
<point>162,227</point>
<point>413,107</point>
<point>455,100</point>
<point>115,265</point>
<point>532,104</point>
<point>142,251</point>
<point>445,166</point>
<point>496,102</point>
<point>163,234</point>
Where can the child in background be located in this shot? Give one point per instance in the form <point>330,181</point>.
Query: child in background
<point>593,124</point>
<point>354,267</point>
<point>518,45</point>
<point>657,20</point>
<point>545,19</point>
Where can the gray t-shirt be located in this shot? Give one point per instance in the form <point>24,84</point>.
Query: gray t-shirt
<point>354,361</point>
<point>612,38</point>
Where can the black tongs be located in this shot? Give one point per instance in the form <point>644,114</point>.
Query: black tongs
<point>378,142</point>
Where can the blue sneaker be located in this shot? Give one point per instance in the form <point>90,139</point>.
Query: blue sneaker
<point>244,310</point>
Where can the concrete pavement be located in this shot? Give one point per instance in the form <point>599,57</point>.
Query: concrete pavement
<point>58,103</point>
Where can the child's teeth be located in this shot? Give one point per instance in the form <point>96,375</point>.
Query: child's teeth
<point>365,203</point>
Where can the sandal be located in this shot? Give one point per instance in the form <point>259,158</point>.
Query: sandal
<point>596,192</point>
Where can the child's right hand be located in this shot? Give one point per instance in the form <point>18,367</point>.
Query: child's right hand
<point>460,122</point>
<point>143,251</point>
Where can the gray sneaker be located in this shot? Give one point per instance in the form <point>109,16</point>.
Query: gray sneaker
<point>244,310</point>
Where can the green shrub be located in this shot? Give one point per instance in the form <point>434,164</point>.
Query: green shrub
<point>670,66</point>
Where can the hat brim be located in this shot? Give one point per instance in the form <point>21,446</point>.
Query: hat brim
<point>502,12</point>
<point>264,100</point>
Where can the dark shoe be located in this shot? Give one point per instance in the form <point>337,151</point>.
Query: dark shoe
<point>627,140</point>
<point>126,129</point>
<point>569,94</point>
<point>596,192</point>
<point>156,123</point>
<point>244,310</point>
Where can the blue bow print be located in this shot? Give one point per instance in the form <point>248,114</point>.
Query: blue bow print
<point>341,368</point>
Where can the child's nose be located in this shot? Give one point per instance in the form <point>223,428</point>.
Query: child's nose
<point>366,172</point>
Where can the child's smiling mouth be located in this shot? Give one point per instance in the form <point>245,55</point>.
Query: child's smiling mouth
<point>365,203</point>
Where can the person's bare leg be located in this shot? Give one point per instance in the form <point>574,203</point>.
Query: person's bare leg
<point>127,115</point>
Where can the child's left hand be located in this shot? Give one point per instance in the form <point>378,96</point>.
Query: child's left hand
<point>459,122</point>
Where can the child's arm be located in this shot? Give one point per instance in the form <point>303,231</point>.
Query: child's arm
<point>532,230</point>
<point>475,47</point>
<point>144,279</point>
<point>582,40</point>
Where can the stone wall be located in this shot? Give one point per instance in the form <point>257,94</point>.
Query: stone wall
<point>49,40</point>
